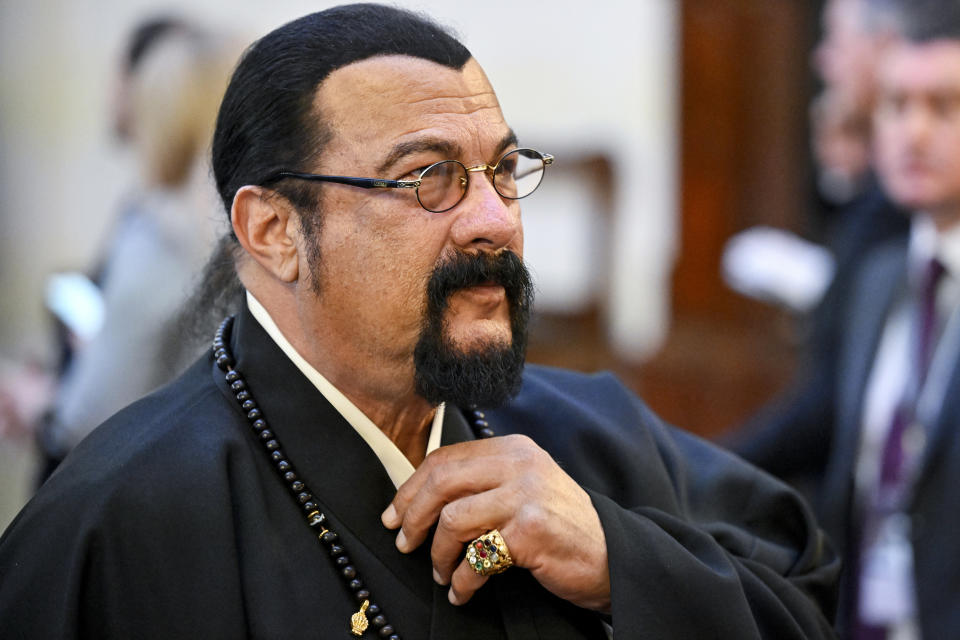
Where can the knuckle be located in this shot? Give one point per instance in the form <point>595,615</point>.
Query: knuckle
<point>525,451</point>
<point>417,518</point>
<point>412,518</point>
<point>449,517</point>
<point>519,440</point>
<point>437,456</point>
<point>402,500</point>
<point>532,519</point>
<point>438,478</point>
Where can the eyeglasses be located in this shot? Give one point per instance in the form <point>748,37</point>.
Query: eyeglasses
<point>442,185</point>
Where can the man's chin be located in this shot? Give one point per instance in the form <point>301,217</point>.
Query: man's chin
<point>484,373</point>
<point>473,341</point>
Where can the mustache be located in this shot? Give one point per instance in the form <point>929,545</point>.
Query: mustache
<point>488,374</point>
<point>462,270</point>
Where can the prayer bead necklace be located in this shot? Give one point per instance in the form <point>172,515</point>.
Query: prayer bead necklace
<point>301,493</point>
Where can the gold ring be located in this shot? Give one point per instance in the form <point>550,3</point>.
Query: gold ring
<point>488,555</point>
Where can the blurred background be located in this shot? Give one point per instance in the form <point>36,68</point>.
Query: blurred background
<point>675,123</point>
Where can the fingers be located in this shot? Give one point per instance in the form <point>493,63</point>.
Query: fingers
<point>508,483</point>
<point>444,486</point>
<point>465,581</point>
<point>460,522</point>
<point>445,476</point>
<point>434,463</point>
<point>464,584</point>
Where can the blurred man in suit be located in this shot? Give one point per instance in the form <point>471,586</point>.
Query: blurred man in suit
<point>882,435</point>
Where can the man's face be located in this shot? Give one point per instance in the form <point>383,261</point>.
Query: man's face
<point>917,126</point>
<point>391,117</point>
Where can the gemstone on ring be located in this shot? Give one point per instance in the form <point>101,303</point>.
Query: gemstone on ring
<point>488,555</point>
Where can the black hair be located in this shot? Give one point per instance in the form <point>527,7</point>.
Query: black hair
<point>927,20</point>
<point>145,35</point>
<point>267,121</point>
<point>880,16</point>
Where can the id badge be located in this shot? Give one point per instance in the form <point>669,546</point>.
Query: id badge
<point>887,594</point>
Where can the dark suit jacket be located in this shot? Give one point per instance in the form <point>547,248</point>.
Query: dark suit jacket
<point>817,430</point>
<point>170,522</point>
<point>789,437</point>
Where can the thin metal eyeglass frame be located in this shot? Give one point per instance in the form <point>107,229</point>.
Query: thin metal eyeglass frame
<point>379,183</point>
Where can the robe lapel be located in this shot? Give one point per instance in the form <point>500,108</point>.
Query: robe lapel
<point>354,489</point>
<point>331,458</point>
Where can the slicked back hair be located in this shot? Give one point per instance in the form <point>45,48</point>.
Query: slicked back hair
<point>927,20</point>
<point>146,35</point>
<point>880,17</point>
<point>267,121</point>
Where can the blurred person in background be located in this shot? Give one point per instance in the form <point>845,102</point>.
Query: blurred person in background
<point>172,78</point>
<point>858,214</point>
<point>879,429</point>
<point>74,299</point>
<point>841,147</point>
<point>805,277</point>
<point>856,32</point>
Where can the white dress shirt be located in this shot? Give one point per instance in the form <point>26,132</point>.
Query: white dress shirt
<point>888,383</point>
<point>396,464</point>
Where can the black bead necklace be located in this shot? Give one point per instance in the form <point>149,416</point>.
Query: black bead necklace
<point>316,520</point>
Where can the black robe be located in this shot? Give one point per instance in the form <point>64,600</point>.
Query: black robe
<point>170,522</point>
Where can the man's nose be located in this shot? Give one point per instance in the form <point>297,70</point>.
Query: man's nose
<point>917,124</point>
<point>485,219</point>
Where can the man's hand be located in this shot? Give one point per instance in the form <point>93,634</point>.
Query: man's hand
<point>507,483</point>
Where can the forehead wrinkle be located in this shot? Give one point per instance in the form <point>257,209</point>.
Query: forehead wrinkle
<point>406,105</point>
<point>474,102</point>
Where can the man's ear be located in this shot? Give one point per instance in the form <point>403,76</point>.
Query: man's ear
<point>267,228</point>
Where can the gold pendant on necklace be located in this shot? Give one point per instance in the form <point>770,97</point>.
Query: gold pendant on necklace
<point>358,621</point>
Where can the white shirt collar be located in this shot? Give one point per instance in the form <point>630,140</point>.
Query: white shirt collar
<point>948,250</point>
<point>393,460</point>
<point>926,242</point>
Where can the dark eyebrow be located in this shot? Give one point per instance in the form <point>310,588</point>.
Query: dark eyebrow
<point>445,147</point>
<point>508,140</point>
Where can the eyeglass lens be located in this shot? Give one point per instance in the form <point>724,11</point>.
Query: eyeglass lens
<point>443,185</point>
